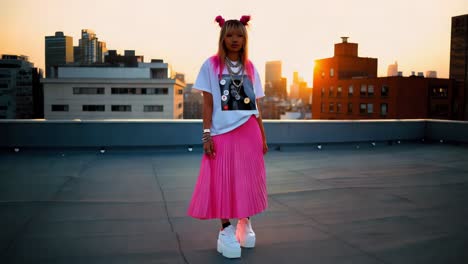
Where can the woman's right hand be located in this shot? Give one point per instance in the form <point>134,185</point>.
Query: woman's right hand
<point>208,148</point>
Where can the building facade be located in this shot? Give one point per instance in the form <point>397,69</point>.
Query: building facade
<point>346,87</point>
<point>144,92</point>
<point>58,51</point>
<point>129,59</point>
<point>90,50</point>
<point>299,90</point>
<point>193,103</point>
<point>275,84</point>
<point>21,95</point>
<point>392,69</point>
<point>459,55</point>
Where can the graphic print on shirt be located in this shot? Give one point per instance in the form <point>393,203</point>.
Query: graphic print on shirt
<point>237,94</point>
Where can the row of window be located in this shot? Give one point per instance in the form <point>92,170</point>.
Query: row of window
<point>345,74</point>
<point>114,108</point>
<point>363,108</point>
<point>101,90</point>
<point>366,90</point>
<point>441,92</point>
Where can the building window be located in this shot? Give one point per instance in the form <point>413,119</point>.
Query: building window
<point>338,107</point>
<point>383,109</point>
<point>331,108</point>
<point>153,108</point>
<point>441,92</point>
<point>331,91</point>
<point>88,90</point>
<point>179,105</point>
<point>322,94</point>
<point>322,108</point>
<point>332,72</point>
<point>362,108</point>
<point>157,90</point>
<point>180,91</point>
<point>384,91</point>
<point>439,110</point>
<point>350,91</point>
<point>363,90</point>
<point>59,108</point>
<point>370,108</point>
<point>121,108</point>
<point>350,108</point>
<point>370,90</point>
<point>339,91</point>
<point>139,91</point>
<point>94,108</point>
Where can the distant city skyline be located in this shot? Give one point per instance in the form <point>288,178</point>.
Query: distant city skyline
<point>416,33</point>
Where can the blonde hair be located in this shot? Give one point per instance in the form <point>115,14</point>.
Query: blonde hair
<point>229,26</point>
<point>219,60</point>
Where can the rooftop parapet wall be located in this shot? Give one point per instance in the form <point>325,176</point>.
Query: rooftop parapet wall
<point>161,133</point>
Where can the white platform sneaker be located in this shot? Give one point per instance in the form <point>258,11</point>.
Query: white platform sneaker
<point>228,244</point>
<point>245,234</point>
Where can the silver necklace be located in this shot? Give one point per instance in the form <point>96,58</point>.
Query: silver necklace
<point>232,74</point>
<point>231,63</point>
<point>230,67</point>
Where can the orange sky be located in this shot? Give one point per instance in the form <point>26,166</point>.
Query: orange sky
<point>414,33</point>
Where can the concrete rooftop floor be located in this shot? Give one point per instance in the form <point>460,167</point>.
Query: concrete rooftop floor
<point>404,203</point>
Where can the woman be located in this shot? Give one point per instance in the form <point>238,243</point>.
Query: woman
<point>232,181</point>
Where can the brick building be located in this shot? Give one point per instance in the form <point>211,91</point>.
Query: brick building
<point>347,87</point>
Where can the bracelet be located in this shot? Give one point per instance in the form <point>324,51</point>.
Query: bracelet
<point>206,130</point>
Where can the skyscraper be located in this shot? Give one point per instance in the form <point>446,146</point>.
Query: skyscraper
<point>58,51</point>
<point>272,71</point>
<point>90,50</point>
<point>392,69</point>
<point>459,56</point>
<point>275,85</point>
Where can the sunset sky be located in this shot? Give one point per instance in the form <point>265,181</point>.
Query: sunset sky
<point>414,33</point>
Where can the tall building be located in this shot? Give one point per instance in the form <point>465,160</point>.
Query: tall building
<point>300,90</point>
<point>112,92</point>
<point>294,88</point>
<point>459,55</point>
<point>346,87</point>
<point>193,103</point>
<point>90,49</point>
<point>21,94</point>
<point>58,51</point>
<point>77,54</point>
<point>273,71</point>
<point>275,84</point>
<point>392,69</point>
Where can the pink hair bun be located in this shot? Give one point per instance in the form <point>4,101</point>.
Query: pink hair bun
<point>220,20</point>
<point>245,20</point>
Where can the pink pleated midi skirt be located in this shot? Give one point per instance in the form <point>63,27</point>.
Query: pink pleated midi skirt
<point>233,183</point>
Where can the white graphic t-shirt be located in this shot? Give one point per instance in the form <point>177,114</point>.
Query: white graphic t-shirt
<point>234,98</point>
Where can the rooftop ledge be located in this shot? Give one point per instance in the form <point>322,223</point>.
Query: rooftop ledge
<point>164,132</point>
